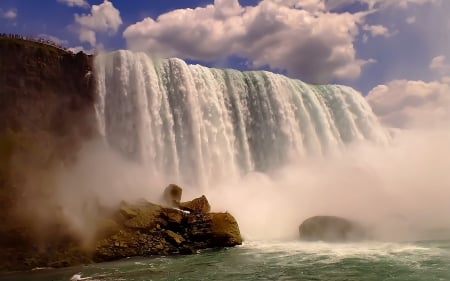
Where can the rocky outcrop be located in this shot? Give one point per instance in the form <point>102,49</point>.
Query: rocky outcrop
<point>144,228</point>
<point>47,112</point>
<point>331,229</point>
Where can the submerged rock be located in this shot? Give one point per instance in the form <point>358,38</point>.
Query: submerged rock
<point>331,229</point>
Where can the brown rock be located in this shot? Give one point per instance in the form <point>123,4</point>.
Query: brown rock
<point>178,239</point>
<point>141,215</point>
<point>172,195</point>
<point>224,230</point>
<point>198,205</point>
<point>173,215</point>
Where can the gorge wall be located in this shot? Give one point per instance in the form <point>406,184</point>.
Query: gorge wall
<point>46,111</point>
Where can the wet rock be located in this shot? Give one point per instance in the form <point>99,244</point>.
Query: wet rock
<point>331,229</point>
<point>198,205</point>
<point>178,239</point>
<point>149,229</point>
<point>173,215</point>
<point>224,230</point>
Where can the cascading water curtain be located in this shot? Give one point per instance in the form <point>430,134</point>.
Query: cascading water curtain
<point>199,125</point>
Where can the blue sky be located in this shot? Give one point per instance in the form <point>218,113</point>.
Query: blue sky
<point>362,43</point>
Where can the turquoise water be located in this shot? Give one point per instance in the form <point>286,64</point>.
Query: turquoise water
<point>427,261</point>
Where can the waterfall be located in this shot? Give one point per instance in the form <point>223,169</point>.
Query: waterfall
<point>197,125</point>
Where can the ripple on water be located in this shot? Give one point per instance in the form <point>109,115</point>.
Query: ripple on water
<point>273,260</point>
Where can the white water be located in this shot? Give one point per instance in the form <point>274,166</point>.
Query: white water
<point>197,125</point>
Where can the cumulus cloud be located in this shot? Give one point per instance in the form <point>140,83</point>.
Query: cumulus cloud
<point>103,18</point>
<point>315,46</point>
<point>8,14</point>
<point>412,104</point>
<point>439,65</point>
<point>75,3</point>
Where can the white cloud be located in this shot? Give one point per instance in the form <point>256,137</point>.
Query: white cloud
<point>377,30</point>
<point>412,104</point>
<point>439,65</point>
<point>78,49</point>
<point>54,39</point>
<point>315,46</point>
<point>103,18</point>
<point>75,3</point>
<point>308,5</point>
<point>332,4</point>
<point>445,79</point>
<point>411,20</point>
<point>9,14</point>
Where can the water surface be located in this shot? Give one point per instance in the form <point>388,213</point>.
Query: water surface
<point>424,261</point>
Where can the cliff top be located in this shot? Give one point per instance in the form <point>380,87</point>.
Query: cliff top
<point>32,42</point>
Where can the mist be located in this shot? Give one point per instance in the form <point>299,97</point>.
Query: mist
<point>97,183</point>
<point>399,192</point>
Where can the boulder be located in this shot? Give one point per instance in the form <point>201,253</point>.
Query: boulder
<point>331,229</point>
<point>172,195</point>
<point>224,230</point>
<point>198,205</point>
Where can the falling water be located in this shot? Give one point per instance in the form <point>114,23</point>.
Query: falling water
<point>195,124</point>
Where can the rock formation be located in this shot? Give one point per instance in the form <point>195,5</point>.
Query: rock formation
<point>144,228</point>
<point>47,97</point>
<point>331,229</point>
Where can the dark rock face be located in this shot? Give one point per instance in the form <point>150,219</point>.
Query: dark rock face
<point>147,229</point>
<point>331,229</point>
<point>46,112</point>
<point>45,89</point>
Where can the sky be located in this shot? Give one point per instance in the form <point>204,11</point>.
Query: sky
<point>395,52</point>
